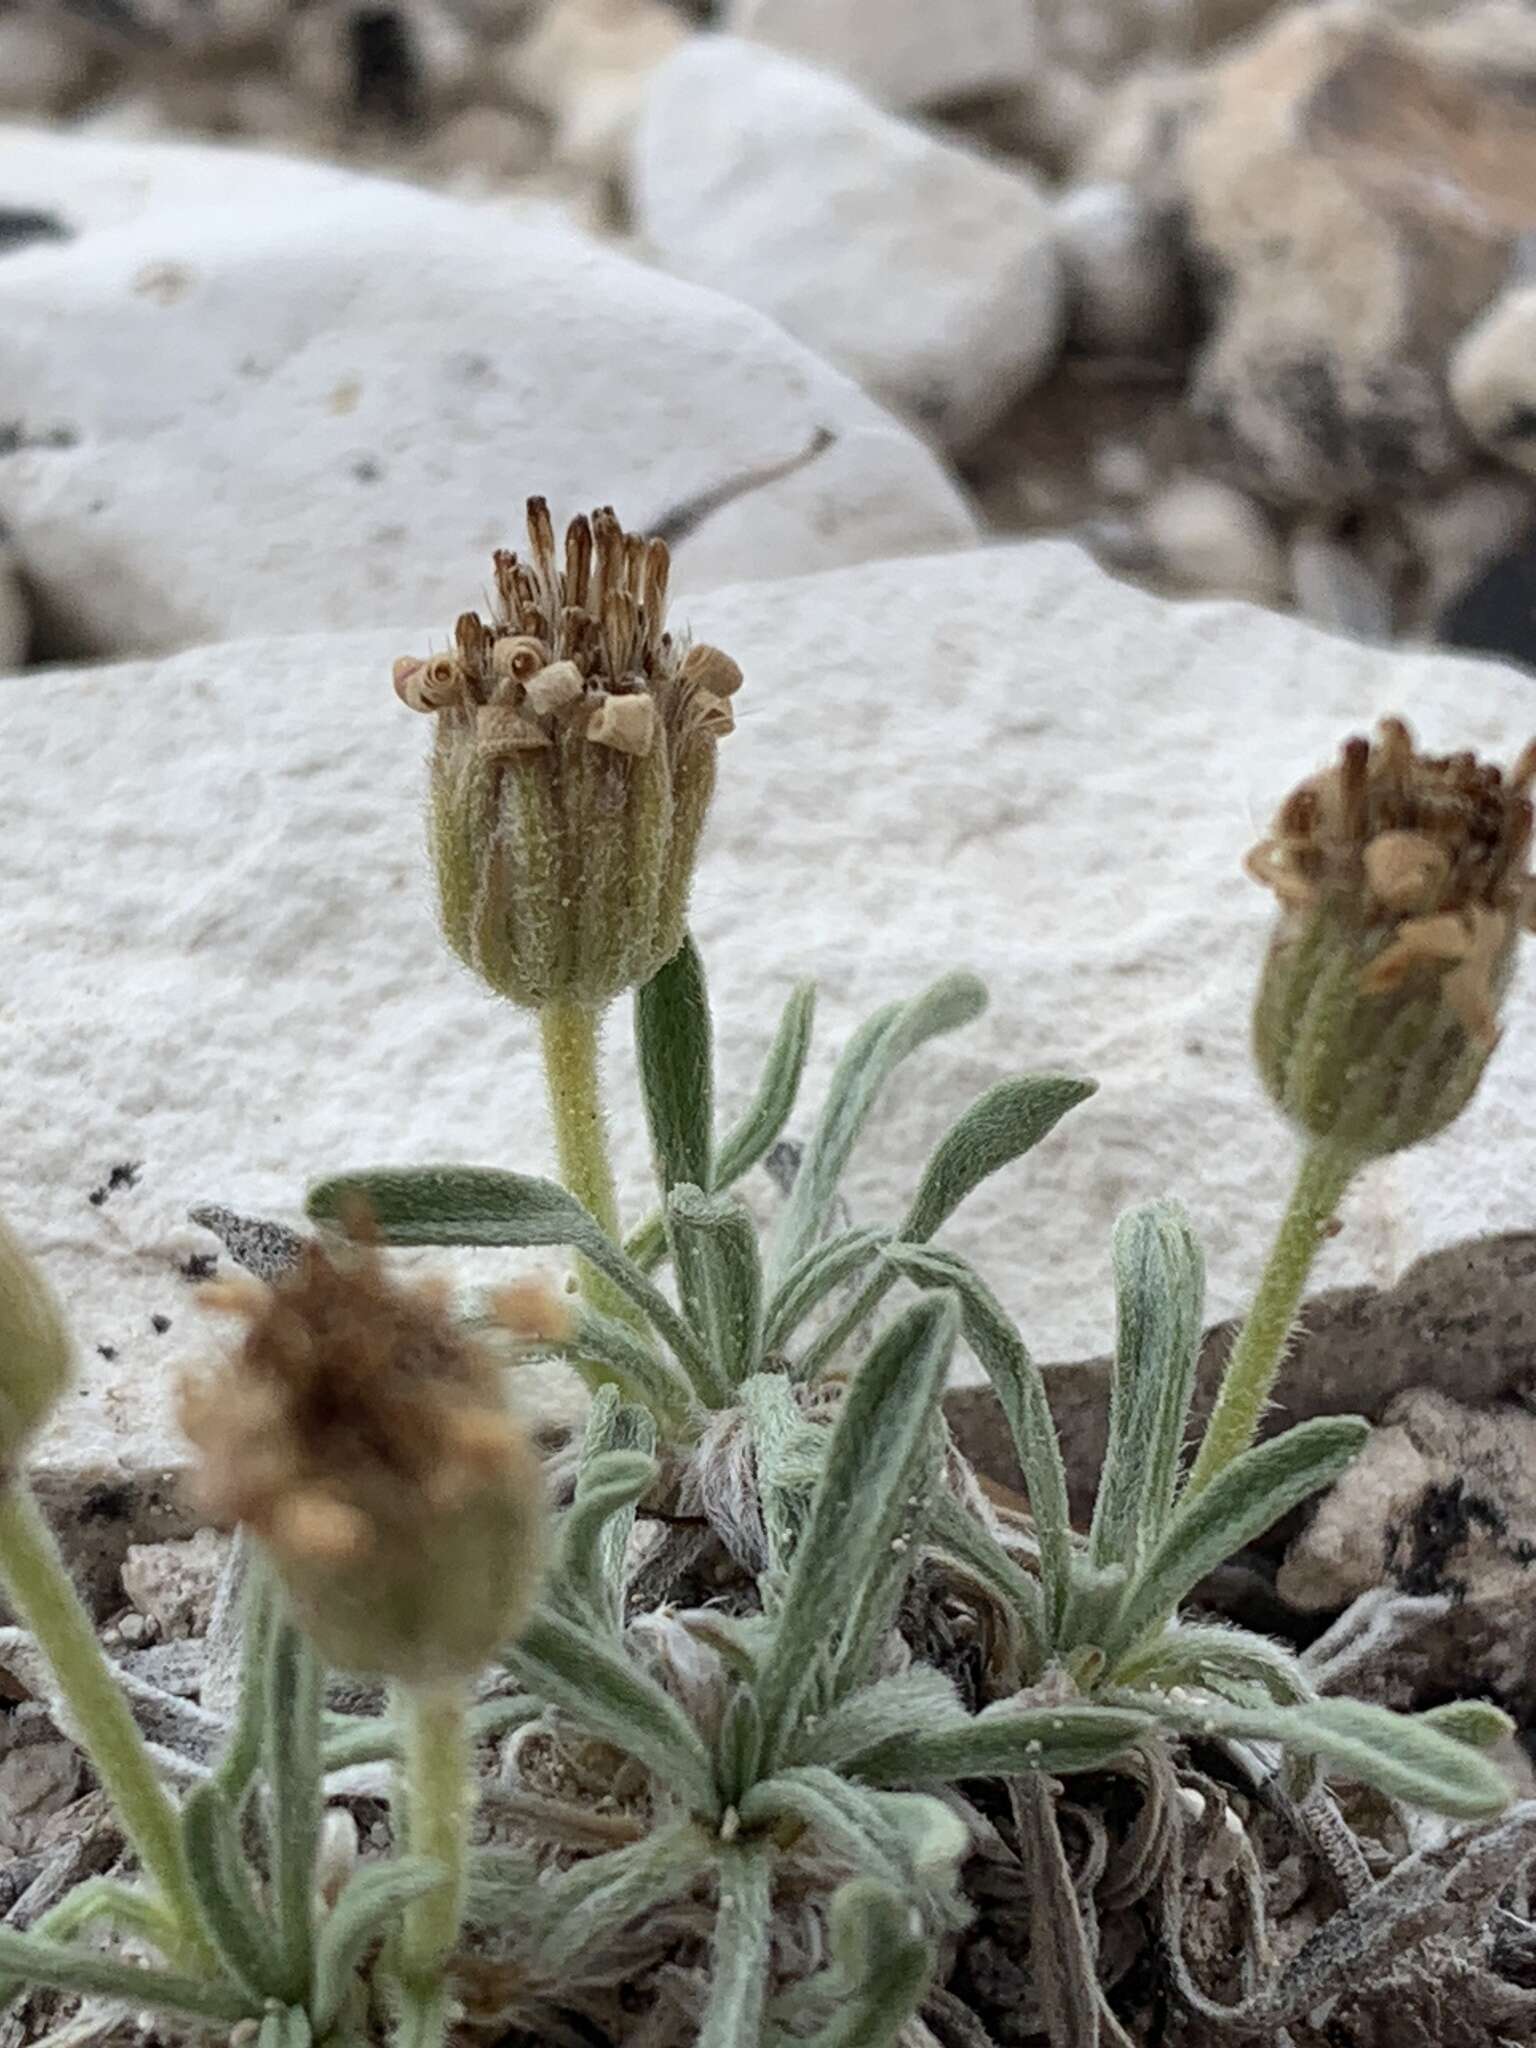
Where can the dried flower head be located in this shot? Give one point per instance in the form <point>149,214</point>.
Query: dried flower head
<point>36,1357</point>
<point>366,1442</point>
<point>1403,886</point>
<point>574,765</point>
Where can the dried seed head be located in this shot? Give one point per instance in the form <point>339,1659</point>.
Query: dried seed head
<point>1403,884</point>
<point>36,1357</point>
<point>365,1441</point>
<point>574,765</point>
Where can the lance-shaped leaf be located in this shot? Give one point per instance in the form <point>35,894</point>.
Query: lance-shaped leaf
<point>1478,1723</point>
<point>788,1452</point>
<point>1220,1659</point>
<point>609,1485</point>
<point>764,1118</point>
<point>574,1910</point>
<point>608,1353</point>
<point>1001,1126</point>
<point>760,1125</point>
<point>1003,1740</point>
<point>872,1056</point>
<point>824,1268</point>
<point>242,1756</point>
<point>226,1898</point>
<point>55,1965</point>
<point>719,1269</point>
<point>1159,1298</point>
<point>1244,1499</point>
<point>615,1425</point>
<point>676,1059</point>
<point>889,1709</point>
<point>738,1972</point>
<point>285,2026</point>
<point>884,1968</point>
<point>862,1503</point>
<point>898,1837</point>
<point>293,1771</point>
<point>1403,1755</point>
<point>371,1900</point>
<point>1020,1389</point>
<point>601,1688</point>
<point>481,1205</point>
<point>969,1546</point>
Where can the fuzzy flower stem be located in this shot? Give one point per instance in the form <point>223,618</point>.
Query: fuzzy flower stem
<point>569,1033</point>
<point>39,1587</point>
<point>1324,1174</point>
<point>437,1799</point>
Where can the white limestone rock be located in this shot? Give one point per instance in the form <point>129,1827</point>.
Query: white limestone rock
<point>927,271</point>
<point>224,973</point>
<point>587,65</point>
<point>896,49</point>
<point>241,414</point>
<point>1493,378</point>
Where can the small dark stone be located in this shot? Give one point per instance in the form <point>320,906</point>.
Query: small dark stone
<point>366,470</point>
<point>97,1197</point>
<point>1496,614</point>
<point>159,1324</point>
<point>107,1504</point>
<point>126,1175</point>
<point>1518,424</point>
<point>106,1351</point>
<point>198,1266</point>
<point>20,225</point>
<point>386,82</point>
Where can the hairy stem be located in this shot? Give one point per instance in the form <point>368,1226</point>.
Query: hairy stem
<point>1324,1174</point>
<point>43,1595</point>
<point>437,1801</point>
<point>572,1072</point>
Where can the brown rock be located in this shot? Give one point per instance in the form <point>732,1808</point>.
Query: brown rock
<point>1353,198</point>
<point>1461,1322</point>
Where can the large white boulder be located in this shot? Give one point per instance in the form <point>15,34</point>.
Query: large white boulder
<point>240,414</point>
<point>896,49</point>
<point>223,972</point>
<point>928,271</point>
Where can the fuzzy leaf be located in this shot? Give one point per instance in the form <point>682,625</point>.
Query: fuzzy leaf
<point>1404,1755</point>
<point>604,1349</point>
<point>970,1545</point>
<point>571,1912</point>
<point>789,1453</point>
<point>894,1836</point>
<point>1020,1388</point>
<point>31,1959</point>
<point>1160,1299</point>
<point>615,1425</point>
<point>766,1115</point>
<point>823,1269</point>
<point>714,1242</point>
<point>242,1757</point>
<point>609,1485</point>
<point>676,1059</point>
<point>883,1712</point>
<point>1002,1125</point>
<point>285,2026</point>
<point>370,1901</point>
<point>878,1442</point>
<point>872,1056</point>
<point>293,1771</point>
<point>1240,1503</point>
<point>226,1898</point>
<point>482,1205</point>
<point>1478,1723</point>
<point>739,1747</point>
<point>601,1688</point>
<point>1003,1740</point>
<point>884,1965</point>
<point>738,1978</point>
<point>1209,1656</point>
